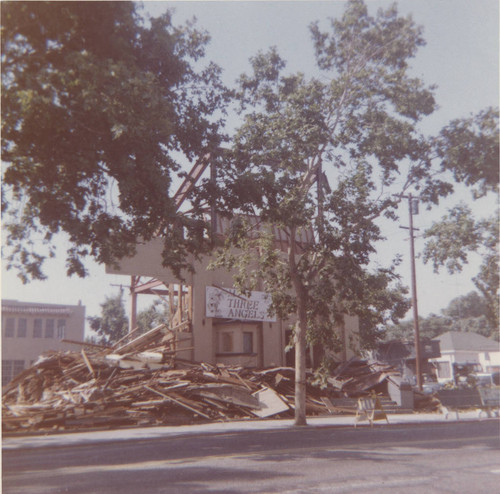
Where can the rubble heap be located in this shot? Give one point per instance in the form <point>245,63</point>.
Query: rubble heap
<point>142,383</point>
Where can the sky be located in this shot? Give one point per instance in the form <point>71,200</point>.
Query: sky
<point>460,57</point>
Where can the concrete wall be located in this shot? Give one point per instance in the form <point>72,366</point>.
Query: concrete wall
<point>30,329</point>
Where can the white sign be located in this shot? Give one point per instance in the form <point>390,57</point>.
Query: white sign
<point>227,303</point>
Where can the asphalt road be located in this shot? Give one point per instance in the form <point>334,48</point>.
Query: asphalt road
<point>456,457</point>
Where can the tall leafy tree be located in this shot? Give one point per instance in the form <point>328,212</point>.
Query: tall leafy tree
<point>429,327</point>
<point>157,313</point>
<point>97,105</point>
<point>357,123</point>
<point>112,324</point>
<point>450,243</point>
<point>466,306</point>
<point>469,148</point>
<point>465,313</point>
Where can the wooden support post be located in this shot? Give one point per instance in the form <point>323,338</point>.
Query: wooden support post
<point>171,303</point>
<point>190,303</point>
<point>181,303</point>
<point>133,304</point>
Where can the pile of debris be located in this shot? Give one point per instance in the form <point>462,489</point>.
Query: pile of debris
<point>142,383</point>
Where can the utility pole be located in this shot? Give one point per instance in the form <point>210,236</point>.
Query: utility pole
<point>413,209</point>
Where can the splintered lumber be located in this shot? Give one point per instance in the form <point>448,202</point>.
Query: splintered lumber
<point>87,363</point>
<point>179,402</point>
<point>126,337</point>
<point>235,395</point>
<point>241,380</point>
<point>141,341</point>
<point>143,383</point>
<point>86,343</point>
<point>270,403</point>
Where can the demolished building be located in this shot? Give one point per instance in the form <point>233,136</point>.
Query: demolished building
<point>213,323</point>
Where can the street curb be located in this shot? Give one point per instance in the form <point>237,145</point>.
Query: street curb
<point>63,439</point>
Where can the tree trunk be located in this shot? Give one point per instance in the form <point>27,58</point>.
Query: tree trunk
<point>300,335</point>
<point>300,368</point>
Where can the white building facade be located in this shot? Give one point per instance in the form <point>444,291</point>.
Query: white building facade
<point>463,348</point>
<point>30,329</point>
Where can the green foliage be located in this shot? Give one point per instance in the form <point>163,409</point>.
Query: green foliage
<point>157,313</point>
<point>467,306</point>
<point>452,239</point>
<point>112,324</point>
<point>358,123</point>
<point>429,327</point>
<point>466,313</point>
<point>95,105</point>
<point>469,148</point>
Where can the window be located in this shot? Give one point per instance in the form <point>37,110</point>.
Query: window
<point>487,356</point>
<point>37,328</point>
<point>443,369</point>
<point>247,342</point>
<point>10,325</point>
<point>6,371</point>
<point>18,367</point>
<point>61,329</point>
<point>49,328</point>
<point>226,342</point>
<point>22,327</point>
<point>10,369</point>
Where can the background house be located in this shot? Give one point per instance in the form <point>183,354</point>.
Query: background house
<point>465,349</point>
<point>30,329</point>
<point>401,355</point>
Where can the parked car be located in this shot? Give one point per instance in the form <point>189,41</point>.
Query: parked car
<point>495,376</point>
<point>487,379</point>
<point>431,387</point>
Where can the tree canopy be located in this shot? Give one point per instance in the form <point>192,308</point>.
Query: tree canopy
<point>469,148</point>
<point>465,313</point>
<point>450,242</point>
<point>358,123</point>
<point>97,106</point>
<point>112,324</point>
<point>154,315</point>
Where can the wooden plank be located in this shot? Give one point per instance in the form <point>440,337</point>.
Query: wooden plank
<point>88,364</point>
<point>271,403</point>
<point>125,338</point>
<point>178,402</point>
<point>86,343</point>
<point>115,370</point>
<point>141,340</point>
<point>241,380</point>
<point>328,404</point>
<point>235,395</point>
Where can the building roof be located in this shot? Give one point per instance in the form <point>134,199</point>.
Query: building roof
<point>461,340</point>
<point>397,350</point>
<point>16,307</point>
